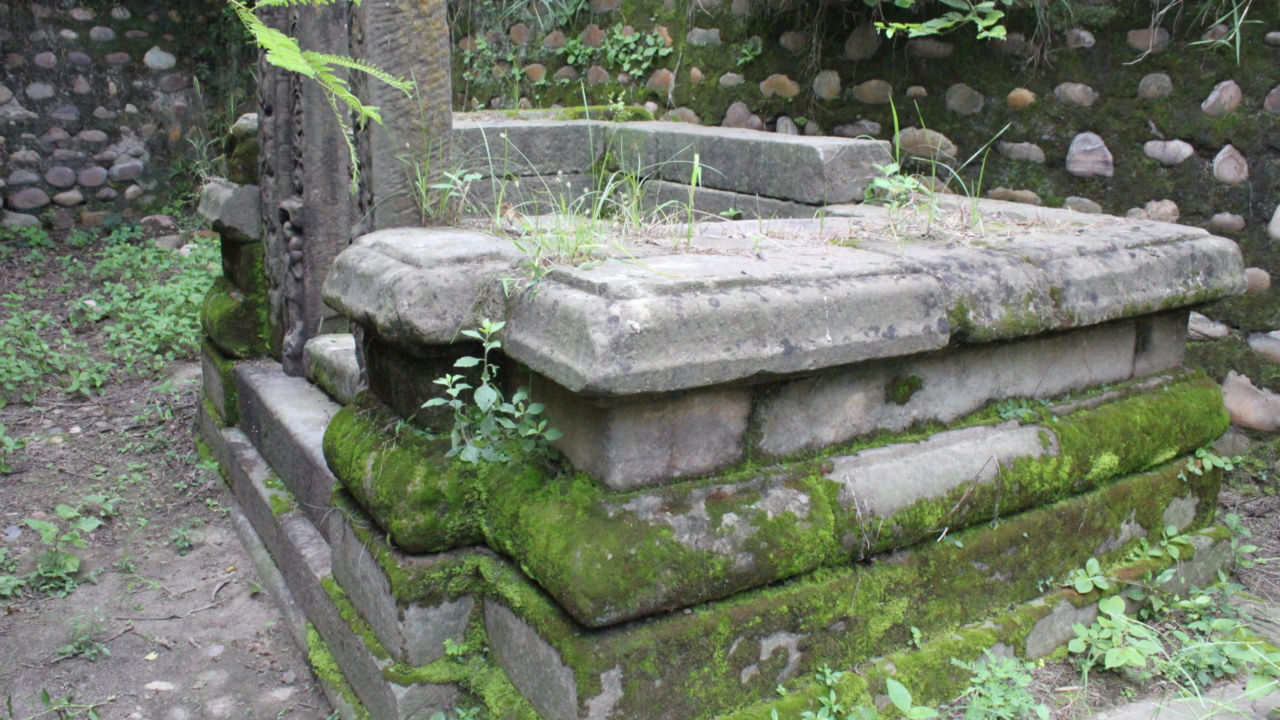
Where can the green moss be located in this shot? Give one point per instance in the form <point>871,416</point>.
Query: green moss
<point>354,619</point>
<point>846,614</point>
<point>326,668</point>
<point>1219,357</point>
<point>235,322</point>
<point>423,500</point>
<point>608,557</point>
<point>901,389</point>
<point>1094,446</point>
<point>225,368</point>
<point>612,113</point>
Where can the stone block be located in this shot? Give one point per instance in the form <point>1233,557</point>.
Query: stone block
<point>536,668</point>
<point>523,148</point>
<point>709,661</point>
<point>1161,342</point>
<point>811,170</point>
<point>608,557</point>
<point>668,200</point>
<point>257,489</point>
<point>632,445</point>
<point>676,322</point>
<point>405,381</point>
<point>881,481</point>
<point>409,283</point>
<point>413,633</point>
<point>285,418</point>
<point>521,200</point>
<point>216,372</point>
<point>952,383</point>
<point>331,363</point>
<point>233,210</point>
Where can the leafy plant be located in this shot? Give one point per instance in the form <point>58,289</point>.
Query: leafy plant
<point>985,16</point>
<point>180,539</point>
<point>9,446</point>
<point>489,427</point>
<point>1115,640</point>
<point>83,644</point>
<point>57,567</point>
<point>749,50</point>
<point>635,53</point>
<point>1085,580</point>
<point>10,584</point>
<point>576,52</point>
<point>999,690</point>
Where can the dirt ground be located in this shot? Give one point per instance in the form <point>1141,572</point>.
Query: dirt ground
<point>165,587</point>
<point>165,618</point>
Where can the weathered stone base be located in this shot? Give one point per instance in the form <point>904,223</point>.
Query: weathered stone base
<point>381,620</point>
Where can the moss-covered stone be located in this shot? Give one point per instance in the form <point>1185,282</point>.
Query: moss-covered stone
<point>900,389</point>
<point>244,264</point>
<point>728,654</point>
<point>612,113</point>
<point>234,321</point>
<point>227,405</point>
<point>608,557</point>
<point>1219,357</point>
<point>325,666</point>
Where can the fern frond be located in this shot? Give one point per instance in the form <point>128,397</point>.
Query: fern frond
<point>364,67</point>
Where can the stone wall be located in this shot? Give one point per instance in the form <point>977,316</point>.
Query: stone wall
<point>101,104</point>
<point>1075,109</point>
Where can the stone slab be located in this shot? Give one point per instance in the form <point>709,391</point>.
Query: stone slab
<point>838,617</point>
<point>304,560</point>
<point>881,481</point>
<point>953,383</point>
<point>285,418</point>
<point>648,443</point>
<point>233,210</point>
<point>608,556</point>
<point>529,147</point>
<point>675,322</point>
<point>413,633</point>
<point>218,382</point>
<point>669,200</point>
<point>420,287</point>
<point>810,170</point>
<point>331,363</point>
<point>765,298</point>
<point>1161,342</point>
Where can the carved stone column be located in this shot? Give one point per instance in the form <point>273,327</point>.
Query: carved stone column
<point>409,39</point>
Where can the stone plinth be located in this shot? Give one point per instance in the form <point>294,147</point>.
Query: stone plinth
<point>672,360</point>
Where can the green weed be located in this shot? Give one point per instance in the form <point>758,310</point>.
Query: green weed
<point>999,690</point>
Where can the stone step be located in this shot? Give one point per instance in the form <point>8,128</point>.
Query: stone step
<point>304,560</point>
<point>285,418</point>
<point>331,364</point>
<point>628,555</point>
<point>731,653</point>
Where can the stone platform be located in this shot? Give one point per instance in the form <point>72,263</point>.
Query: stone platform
<point>381,616</point>
<point>787,445</point>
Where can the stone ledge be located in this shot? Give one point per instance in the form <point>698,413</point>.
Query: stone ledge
<point>331,363</point>
<point>708,661</point>
<point>739,310</point>
<point>629,555</point>
<point>285,418</point>
<point>810,170</point>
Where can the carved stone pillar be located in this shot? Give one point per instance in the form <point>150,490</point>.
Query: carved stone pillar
<point>409,39</point>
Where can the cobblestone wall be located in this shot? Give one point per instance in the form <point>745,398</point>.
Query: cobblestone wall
<point>100,104</point>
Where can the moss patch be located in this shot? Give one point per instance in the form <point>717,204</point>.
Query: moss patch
<point>900,389</point>
<point>1219,357</point>
<point>234,321</point>
<point>609,557</point>
<point>326,668</point>
<point>717,657</point>
<point>225,368</point>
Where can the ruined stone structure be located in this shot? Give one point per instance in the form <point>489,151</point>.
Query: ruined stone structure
<point>789,442</point>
